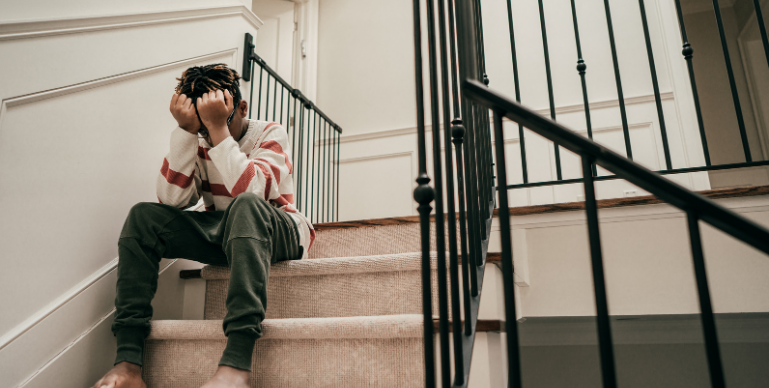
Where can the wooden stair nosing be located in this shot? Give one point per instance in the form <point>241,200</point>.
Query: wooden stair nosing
<point>552,208</point>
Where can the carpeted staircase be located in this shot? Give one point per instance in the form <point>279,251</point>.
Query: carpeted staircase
<point>350,316</point>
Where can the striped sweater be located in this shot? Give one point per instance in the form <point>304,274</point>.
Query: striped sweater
<point>260,163</point>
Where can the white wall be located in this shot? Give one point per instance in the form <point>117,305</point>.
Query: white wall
<point>365,83</point>
<point>84,125</point>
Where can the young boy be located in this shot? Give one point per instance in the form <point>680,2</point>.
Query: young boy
<point>242,169</point>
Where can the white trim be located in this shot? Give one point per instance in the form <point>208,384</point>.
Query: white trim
<point>373,157</point>
<point>85,333</point>
<point>565,109</point>
<point>741,205</point>
<point>57,303</point>
<point>46,94</point>
<point>52,27</point>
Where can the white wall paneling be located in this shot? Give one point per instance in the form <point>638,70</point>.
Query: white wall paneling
<point>84,125</point>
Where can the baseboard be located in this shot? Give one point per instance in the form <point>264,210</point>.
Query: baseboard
<point>72,343</point>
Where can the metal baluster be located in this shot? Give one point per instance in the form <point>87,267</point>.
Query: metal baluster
<point>459,375</point>
<point>655,84</point>
<point>274,99</point>
<point>706,310</point>
<point>581,67</point>
<point>267,93</point>
<point>259,106</point>
<point>521,138</point>
<point>251,98</point>
<point>327,180</point>
<point>311,159</point>
<point>688,53</point>
<point>322,172</point>
<point>439,208</point>
<point>458,132</point>
<point>543,27</point>
<point>472,201</point>
<point>732,83</point>
<point>293,142</point>
<point>300,186</point>
<point>282,89</point>
<point>423,194</point>
<point>605,347</point>
<point>511,323</point>
<point>338,135</point>
<point>618,79</point>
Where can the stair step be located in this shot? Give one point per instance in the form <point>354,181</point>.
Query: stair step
<point>373,351</point>
<point>335,287</point>
<point>378,237</point>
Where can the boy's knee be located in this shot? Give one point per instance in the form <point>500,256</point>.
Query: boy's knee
<point>139,218</point>
<point>249,199</point>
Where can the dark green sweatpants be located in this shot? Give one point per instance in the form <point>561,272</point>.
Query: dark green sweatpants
<point>248,236</point>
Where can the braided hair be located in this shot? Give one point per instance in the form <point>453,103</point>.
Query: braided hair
<point>198,80</point>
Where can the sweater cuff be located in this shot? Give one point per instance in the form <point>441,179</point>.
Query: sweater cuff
<point>183,138</point>
<point>221,155</point>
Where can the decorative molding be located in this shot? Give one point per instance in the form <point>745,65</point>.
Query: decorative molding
<point>373,157</point>
<point>559,110</point>
<point>52,93</point>
<point>53,27</point>
<point>57,303</point>
<point>88,331</point>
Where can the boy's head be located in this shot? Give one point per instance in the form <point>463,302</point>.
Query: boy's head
<point>199,80</point>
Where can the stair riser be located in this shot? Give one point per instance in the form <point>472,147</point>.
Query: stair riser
<point>372,240</point>
<point>343,295</point>
<point>303,363</point>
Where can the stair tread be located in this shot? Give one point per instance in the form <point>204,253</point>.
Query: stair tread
<point>383,327</point>
<point>334,266</point>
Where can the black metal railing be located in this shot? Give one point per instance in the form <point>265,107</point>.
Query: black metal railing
<point>688,54</point>
<point>464,95</point>
<point>313,136</point>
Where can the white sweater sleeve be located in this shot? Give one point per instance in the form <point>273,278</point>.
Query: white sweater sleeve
<point>259,172</point>
<point>174,183</point>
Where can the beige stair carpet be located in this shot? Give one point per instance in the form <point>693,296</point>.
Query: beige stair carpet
<point>337,287</point>
<point>382,351</point>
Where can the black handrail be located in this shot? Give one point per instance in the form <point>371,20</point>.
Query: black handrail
<point>313,183</point>
<point>696,207</point>
<point>471,134</point>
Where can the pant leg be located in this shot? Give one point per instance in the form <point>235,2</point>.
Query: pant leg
<point>255,235</point>
<point>152,231</point>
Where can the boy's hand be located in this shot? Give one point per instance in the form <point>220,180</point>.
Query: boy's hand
<point>184,113</point>
<point>214,107</point>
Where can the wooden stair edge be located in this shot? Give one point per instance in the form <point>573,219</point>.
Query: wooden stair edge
<point>491,257</point>
<point>552,208</point>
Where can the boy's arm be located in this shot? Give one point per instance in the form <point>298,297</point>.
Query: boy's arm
<point>179,171</point>
<point>259,172</point>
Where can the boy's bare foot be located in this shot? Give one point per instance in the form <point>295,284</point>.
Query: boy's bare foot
<point>122,375</point>
<point>228,377</point>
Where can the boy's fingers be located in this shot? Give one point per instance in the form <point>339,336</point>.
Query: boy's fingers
<point>227,98</point>
<point>174,98</point>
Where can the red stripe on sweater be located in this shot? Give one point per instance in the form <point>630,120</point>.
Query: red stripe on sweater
<point>275,147</point>
<point>215,189</point>
<point>268,180</point>
<point>210,208</point>
<point>245,178</point>
<point>174,177</point>
<point>274,168</point>
<point>203,153</point>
